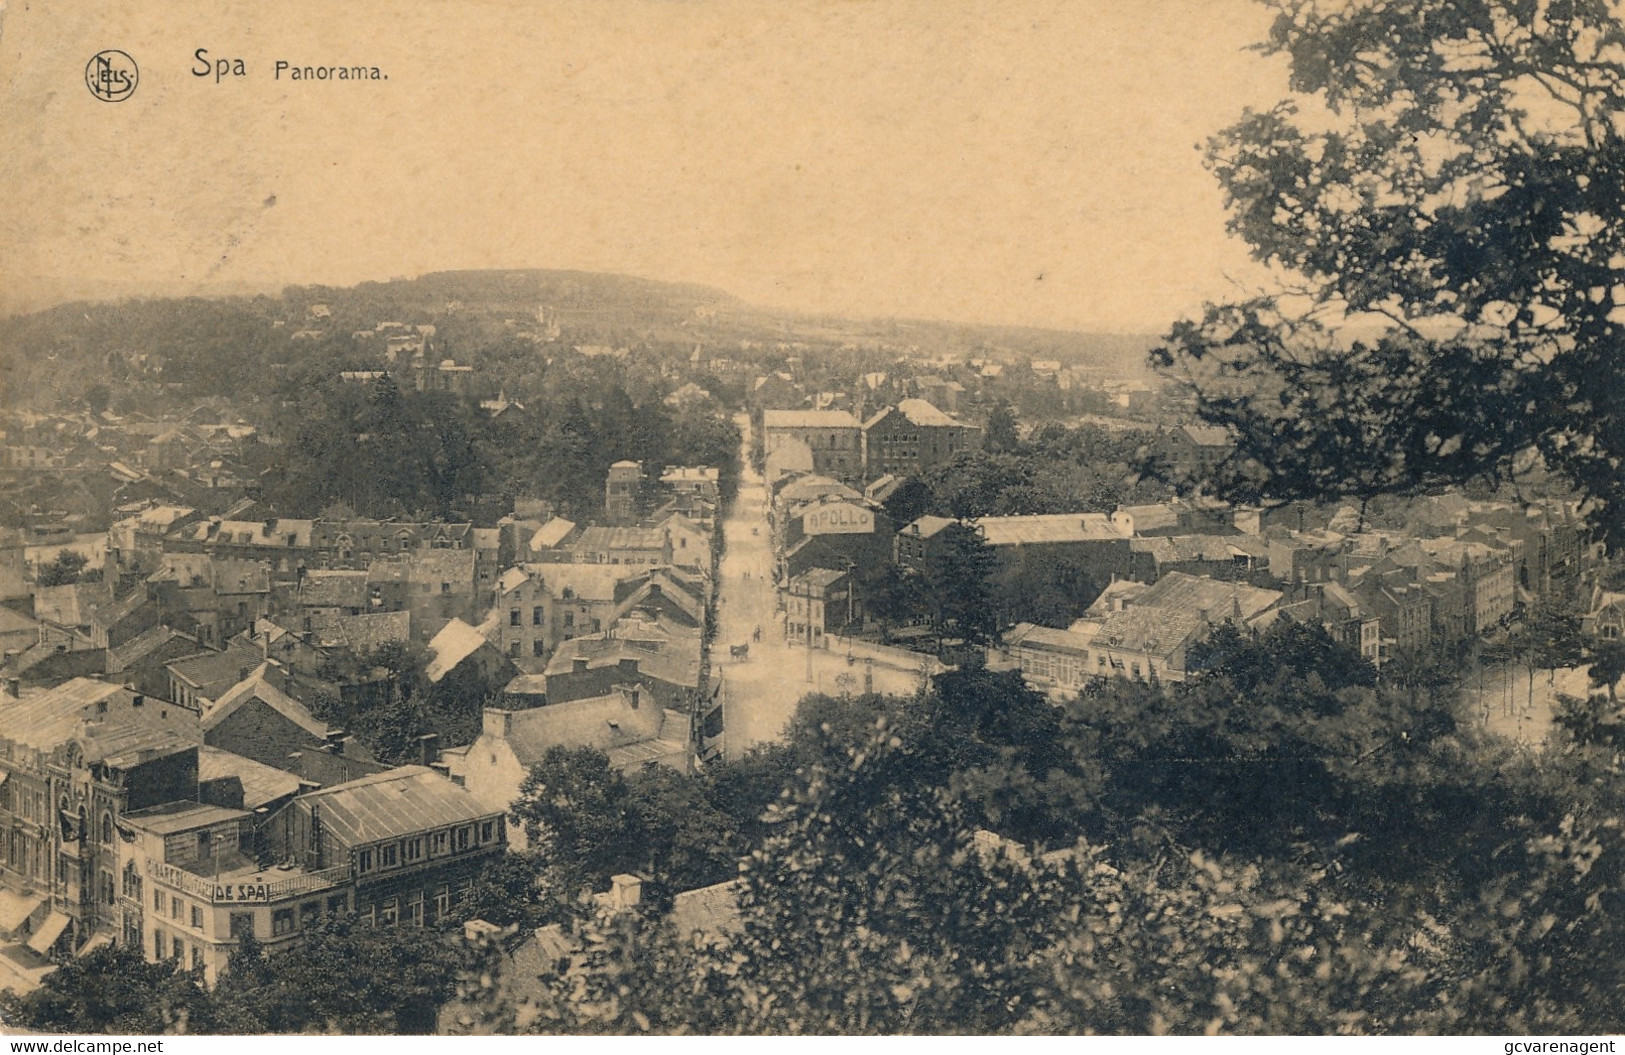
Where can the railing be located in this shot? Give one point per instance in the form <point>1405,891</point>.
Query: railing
<point>235,891</point>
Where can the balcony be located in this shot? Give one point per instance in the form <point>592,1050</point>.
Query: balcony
<point>241,888</point>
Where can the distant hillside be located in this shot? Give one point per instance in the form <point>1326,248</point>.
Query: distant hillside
<point>227,345</point>
<point>574,294</point>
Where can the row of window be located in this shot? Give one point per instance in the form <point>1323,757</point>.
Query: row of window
<point>173,947</point>
<point>412,850</point>
<point>182,911</point>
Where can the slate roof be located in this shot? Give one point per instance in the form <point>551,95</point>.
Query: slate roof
<point>334,589</point>
<point>808,419</point>
<point>1047,638</point>
<point>918,412</point>
<point>441,565</point>
<point>394,803</point>
<point>1212,548</point>
<point>587,582</point>
<point>216,671</point>
<point>11,622</point>
<point>241,576</point>
<point>70,605</point>
<point>927,526</point>
<point>552,533</point>
<point>679,664</point>
<point>261,783</point>
<point>1151,517</point>
<point>119,735</point>
<point>180,816</point>
<point>455,643</point>
<point>1154,631</point>
<point>605,722</point>
<point>1048,529</point>
<point>256,687</point>
<point>612,538</point>
<point>1195,593</point>
<point>362,633</point>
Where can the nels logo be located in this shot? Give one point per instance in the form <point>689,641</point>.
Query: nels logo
<point>111,76</point>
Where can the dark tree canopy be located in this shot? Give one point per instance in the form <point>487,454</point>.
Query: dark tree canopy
<point>1440,201</point>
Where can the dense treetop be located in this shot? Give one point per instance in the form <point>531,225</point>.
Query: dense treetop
<point>1440,201</point>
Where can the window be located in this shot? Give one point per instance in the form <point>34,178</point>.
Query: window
<point>157,943</point>
<point>106,880</point>
<point>174,908</point>
<point>536,616</point>
<point>389,856</point>
<point>414,908</point>
<point>513,650</point>
<point>445,587</point>
<point>438,842</point>
<point>513,617</point>
<point>197,916</point>
<point>242,924</point>
<point>462,838</point>
<point>569,620</point>
<point>178,948</point>
<point>281,922</point>
<point>308,913</point>
<point>197,957</point>
<point>389,913</point>
<point>487,830</point>
<point>107,827</point>
<point>414,849</point>
<point>338,904</point>
<point>442,901</point>
<point>157,900</point>
<point>364,860</point>
<point>538,648</point>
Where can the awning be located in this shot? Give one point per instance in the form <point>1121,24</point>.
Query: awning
<point>15,909</point>
<point>48,933</point>
<point>97,941</point>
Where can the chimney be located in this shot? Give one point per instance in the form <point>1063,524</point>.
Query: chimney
<point>578,664</point>
<point>428,749</point>
<point>497,722</point>
<point>625,891</point>
<point>628,666</point>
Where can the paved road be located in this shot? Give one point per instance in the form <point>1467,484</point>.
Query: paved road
<point>760,693</point>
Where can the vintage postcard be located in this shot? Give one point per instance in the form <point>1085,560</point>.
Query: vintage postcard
<point>855,517</point>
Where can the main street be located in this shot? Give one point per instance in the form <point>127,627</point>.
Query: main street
<point>760,693</point>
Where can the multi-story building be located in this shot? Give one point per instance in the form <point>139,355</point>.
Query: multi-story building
<point>1193,450</point>
<point>74,760</point>
<point>631,729</point>
<point>834,437</point>
<point>1142,632</point>
<point>817,602</point>
<point>395,847</point>
<point>912,437</point>
<point>623,489</point>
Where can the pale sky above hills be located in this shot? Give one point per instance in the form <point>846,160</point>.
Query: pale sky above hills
<point>1012,162</point>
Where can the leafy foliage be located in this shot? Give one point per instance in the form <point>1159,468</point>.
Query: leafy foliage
<point>1444,180</point>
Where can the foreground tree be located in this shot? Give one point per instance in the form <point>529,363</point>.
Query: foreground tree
<point>1446,179</point>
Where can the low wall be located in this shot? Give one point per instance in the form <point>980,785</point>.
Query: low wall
<point>884,655</point>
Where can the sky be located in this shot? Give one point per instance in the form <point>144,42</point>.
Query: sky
<point>1030,163</point>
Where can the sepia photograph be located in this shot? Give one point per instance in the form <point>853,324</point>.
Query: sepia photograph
<point>873,518</point>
